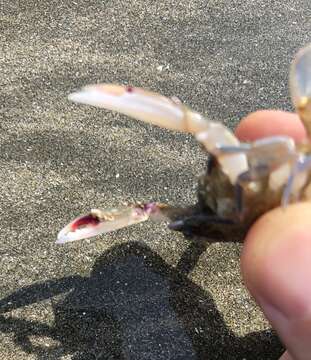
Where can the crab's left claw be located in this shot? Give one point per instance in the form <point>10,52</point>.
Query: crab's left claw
<point>169,113</point>
<point>102,221</point>
<point>135,102</point>
<point>149,107</point>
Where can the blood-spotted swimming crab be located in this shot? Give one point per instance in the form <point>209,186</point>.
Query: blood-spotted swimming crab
<point>242,180</point>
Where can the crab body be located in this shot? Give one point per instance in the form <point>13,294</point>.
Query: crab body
<point>242,180</point>
<point>239,205</point>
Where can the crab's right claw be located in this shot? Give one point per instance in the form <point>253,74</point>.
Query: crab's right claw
<point>102,221</point>
<point>82,227</point>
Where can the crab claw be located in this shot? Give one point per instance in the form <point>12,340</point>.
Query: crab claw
<point>142,105</point>
<point>102,221</point>
<point>169,113</point>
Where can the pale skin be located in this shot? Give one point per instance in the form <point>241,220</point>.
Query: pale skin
<point>276,258</point>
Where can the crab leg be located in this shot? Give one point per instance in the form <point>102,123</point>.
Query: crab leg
<point>99,221</point>
<point>300,85</point>
<point>189,224</point>
<point>270,152</point>
<point>169,113</point>
<point>274,156</point>
<point>297,180</point>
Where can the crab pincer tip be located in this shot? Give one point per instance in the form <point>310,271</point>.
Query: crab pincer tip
<point>78,96</point>
<point>68,235</point>
<point>97,95</point>
<point>83,227</point>
<point>60,239</point>
<point>64,236</point>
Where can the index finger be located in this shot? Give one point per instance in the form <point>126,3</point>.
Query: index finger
<point>265,123</point>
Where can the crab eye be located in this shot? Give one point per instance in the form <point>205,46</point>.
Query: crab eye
<point>300,85</point>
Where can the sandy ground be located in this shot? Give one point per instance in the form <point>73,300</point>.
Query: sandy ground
<point>142,292</point>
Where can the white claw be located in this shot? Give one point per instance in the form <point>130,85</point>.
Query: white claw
<point>103,221</point>
<point>142,105</point>
<point>134,102</point>
<point>156,109</point>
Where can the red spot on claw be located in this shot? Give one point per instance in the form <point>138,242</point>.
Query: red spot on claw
<point>85,221</point>
<point>129,89</point>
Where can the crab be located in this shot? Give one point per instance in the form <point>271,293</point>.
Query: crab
<point>242,180</point>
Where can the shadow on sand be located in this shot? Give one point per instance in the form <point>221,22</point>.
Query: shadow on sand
<point>133,306</point>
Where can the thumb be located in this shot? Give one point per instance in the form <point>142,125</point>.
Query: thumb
<point>276,266</point>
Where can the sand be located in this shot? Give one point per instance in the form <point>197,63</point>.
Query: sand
<point>143,292</point>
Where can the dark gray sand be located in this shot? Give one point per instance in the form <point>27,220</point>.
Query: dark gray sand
<point>142,292</point>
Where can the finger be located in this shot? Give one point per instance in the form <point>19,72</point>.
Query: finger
<point>286,356</point>
<point>268,123</point>
<point>276,266</point>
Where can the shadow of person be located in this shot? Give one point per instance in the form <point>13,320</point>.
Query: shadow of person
<point>133,306</point>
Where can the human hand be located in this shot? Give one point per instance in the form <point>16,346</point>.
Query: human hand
<point>276,258</point>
